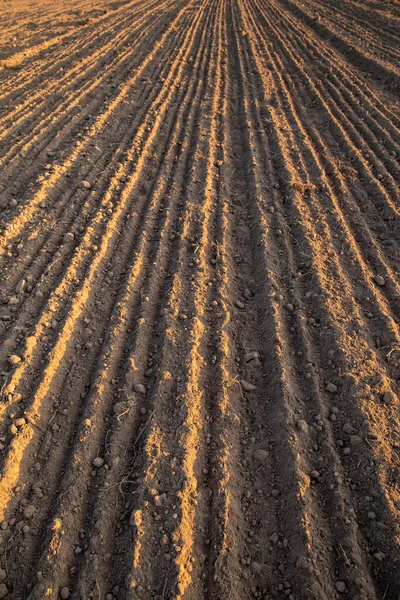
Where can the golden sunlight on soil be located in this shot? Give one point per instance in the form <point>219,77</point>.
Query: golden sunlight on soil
<point>199,300</point>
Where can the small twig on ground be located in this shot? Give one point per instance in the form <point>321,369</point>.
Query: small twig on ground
<point>165,587</point>
<point>344,554</point>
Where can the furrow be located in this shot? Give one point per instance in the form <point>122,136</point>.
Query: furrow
<point>291,457</point>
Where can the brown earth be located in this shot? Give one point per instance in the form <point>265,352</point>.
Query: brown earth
<point>200,299</point>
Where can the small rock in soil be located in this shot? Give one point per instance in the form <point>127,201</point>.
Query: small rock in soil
<point>3,590</point>
<point>251,356</point>
<point>315,474</point>
<point>139,388</point>
<point>377,380</point>
<point>98,462</point>
<point>247,294</point>
<point>340,586</point>
<point>20,286</point>
<point>379,280</point>
<point>119,408</point>
<point>3,574</point>
<point>390,398</point>
<point>302,425</point>
<point>14,359</point>
<point>65,593</point>
<point>239,304</point>
<point>249,387</point>
<point>86,185</point>
<point>260,455</point>
<point>331,387</point>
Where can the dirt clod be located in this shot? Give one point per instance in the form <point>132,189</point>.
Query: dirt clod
<point>30,342</point>
<point>29,511</point>
<point>256,568</point>
<point>249,356</point>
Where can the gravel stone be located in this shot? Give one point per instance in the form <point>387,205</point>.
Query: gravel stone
<point>331,387</point>
<point>379,280</point>
<point>260,455</point>
<point>302,425</point>
<point>340,586</point>
<point>139,388</point>
<point>390,398</point>
<point>248,387</point>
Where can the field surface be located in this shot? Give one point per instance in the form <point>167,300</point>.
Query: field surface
<point>199,300</point>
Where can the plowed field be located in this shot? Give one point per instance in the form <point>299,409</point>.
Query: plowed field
<point>200,299</point>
